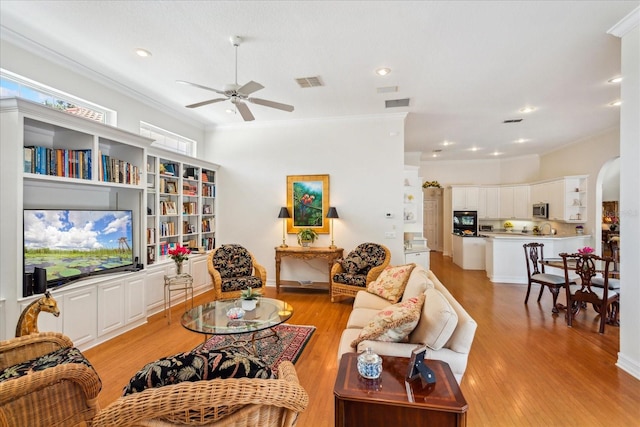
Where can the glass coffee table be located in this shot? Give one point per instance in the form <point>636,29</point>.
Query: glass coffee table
<point>226,317</point>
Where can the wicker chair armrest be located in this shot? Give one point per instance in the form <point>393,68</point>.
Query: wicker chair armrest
<point>84,377</point>
<point>259,271</point>
<point>216,278</point>
<point>336,268</point>
<point>20,349</point>
<point>204,396</point>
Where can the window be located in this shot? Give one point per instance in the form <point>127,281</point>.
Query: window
<point>168,140</point>
<point>14,85</point>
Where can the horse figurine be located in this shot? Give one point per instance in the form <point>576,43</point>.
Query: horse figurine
<point>28,321</point>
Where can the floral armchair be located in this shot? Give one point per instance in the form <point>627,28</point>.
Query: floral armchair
<point>233,269</point>
<point>360,267</point>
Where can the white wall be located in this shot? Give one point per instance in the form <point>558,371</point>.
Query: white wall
<point>478,172</point>
<point>629,355</point>
<point>365,166</point>
<point>611,181</point>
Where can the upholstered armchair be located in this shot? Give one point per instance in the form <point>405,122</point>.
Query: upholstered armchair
<point>236,402</point>
<point>360,267</point>
<point>45,381</point>
<point>233,269</point>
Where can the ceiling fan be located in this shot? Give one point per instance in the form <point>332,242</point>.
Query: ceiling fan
<point>237,94</point>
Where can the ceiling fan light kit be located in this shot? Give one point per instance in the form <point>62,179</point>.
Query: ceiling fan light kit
<point>238,95</point>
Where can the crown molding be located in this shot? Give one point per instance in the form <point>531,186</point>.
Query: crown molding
<point>626,24</point>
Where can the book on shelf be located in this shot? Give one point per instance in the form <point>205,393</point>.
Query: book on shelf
<point>169,169</point>
<point>151,236</point>
<point>57,162</point>
<point>208,225</point>
<point>208,176</point>
<point>189,208</point>
<point>208,243</point>
<point>189,189</point>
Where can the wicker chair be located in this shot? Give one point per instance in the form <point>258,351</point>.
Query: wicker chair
<point>362,266</point>
<point>62,395</point>
<point>229,402</point>
<point>232,269</point>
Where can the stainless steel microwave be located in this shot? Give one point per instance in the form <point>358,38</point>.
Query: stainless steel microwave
<point>541,210</point>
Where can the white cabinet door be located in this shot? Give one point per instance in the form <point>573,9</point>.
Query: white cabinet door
<point>506,202</point>
<point>154,287</point>
<point>521,205</point>
<point>80,315</point>
<point>199,271</point>
<point>110,307</point>
<point>540,193</point>
<point>556,200</point>
<point>135,307</point>
<point>418,258</point>
<point>488,203</point>
<point>465,198</point>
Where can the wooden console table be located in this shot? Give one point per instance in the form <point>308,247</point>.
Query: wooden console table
<point>331,255</point>
<point>391,401</point>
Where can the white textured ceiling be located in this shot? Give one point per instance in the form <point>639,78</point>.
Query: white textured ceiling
<point>466,66</point>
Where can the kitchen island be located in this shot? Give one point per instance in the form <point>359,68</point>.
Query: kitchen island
<point>504,254</point>
<point>468,252</point>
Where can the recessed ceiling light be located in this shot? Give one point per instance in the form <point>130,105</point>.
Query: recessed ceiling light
<point>496,153</point>
<point>383,71</point>
<point>143,52</point>
<point>229,111</point>
<point>521,141</point>
<point>447,143</point>
<point>615,103</point>
<point>615,80</point>
<point>527,109</point>
<point>473,149</point>
<point>434,155</point>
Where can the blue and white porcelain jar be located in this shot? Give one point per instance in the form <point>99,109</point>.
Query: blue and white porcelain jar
<point>369,364</point>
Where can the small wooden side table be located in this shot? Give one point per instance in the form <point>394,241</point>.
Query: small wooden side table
<point>330,254</point>
<point>179,282</point>
<point>392,401</point>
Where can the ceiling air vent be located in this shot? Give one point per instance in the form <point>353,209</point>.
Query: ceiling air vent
<point>392,103</point>
<point>512,121</point>
<point>305,82</point>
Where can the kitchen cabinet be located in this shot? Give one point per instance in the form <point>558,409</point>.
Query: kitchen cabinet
<point>514,202</point>
<point>469,252</point>
<point>489,203</point>
<point>418,257</point>
<point>465,198</point>
<point>567,198</point>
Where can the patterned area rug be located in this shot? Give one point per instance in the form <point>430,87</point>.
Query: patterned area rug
<point>287,345</point>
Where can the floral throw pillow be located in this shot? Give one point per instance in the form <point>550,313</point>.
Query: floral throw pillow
<point>391,282</point>
<point>196,366</point>
<point>394,323</point>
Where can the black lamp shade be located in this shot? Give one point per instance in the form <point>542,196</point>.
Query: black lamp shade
<point>333,213</point>
<point>284,213</point>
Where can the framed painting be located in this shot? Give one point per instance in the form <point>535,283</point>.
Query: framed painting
<point>308,203</point>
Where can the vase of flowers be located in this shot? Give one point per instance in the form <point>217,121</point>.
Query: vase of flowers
<point>179,255</point>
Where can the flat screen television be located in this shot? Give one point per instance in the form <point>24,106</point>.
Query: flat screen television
<point>73,244</point>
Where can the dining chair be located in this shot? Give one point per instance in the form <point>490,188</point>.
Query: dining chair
<point>605,301</point>
<point>534,253</point>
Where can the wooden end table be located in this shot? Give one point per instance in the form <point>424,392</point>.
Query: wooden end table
<point>330,254</point>
<point>392,401</point>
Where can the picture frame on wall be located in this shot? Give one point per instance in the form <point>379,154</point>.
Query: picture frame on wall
<point>308,203</point>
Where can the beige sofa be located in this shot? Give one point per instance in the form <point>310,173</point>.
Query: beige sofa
<point>444,326</point>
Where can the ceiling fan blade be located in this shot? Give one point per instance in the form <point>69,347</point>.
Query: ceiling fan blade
<point>182,82</point>
<point>271,104</point>
<point>210,101</point>
<point>244,111</point>
<point>249,88</point>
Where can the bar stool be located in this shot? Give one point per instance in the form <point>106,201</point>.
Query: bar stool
<point>179,282</point>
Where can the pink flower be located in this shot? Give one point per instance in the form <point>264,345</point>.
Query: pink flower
<point>179,254</point>
<point>585,250</point>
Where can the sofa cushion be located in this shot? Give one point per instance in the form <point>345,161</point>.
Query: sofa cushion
<point>391,282</point>
<point>196,366</point>
<point>353,263</point>
<point>393,323</point>
<point>418,283</point>
<point>58,357</point>
<point>437,322</point>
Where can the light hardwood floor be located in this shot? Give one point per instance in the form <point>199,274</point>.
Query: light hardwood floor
<point>526,367</point>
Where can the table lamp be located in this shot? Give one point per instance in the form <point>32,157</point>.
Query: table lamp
<point>332,214</point>
<point>284,214</point>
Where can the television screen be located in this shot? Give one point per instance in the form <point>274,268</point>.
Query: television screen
<point>71,244</point>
